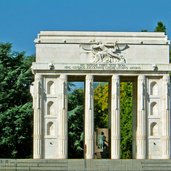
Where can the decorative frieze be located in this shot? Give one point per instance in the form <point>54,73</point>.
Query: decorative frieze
<point>105,52</point>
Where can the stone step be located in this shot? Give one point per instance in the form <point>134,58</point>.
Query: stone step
<point>31,165</point>
<point>162,165</point>
<point>84,165</point>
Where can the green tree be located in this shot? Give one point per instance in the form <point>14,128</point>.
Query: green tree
<point>144,30</point>
<point>15,103</point>
<point>101,106</point>
<point>126,119</point>
<point>160,27</point>
<point>76,123</point>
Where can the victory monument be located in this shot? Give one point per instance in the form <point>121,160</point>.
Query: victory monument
<point>139,57</point>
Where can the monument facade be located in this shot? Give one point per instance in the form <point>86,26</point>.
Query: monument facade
<point>139,57</point>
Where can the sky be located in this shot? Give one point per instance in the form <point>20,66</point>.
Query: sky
<point>22,20</point>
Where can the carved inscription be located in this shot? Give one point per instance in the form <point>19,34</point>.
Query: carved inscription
<point>97,67</point>
<point>101,67</point>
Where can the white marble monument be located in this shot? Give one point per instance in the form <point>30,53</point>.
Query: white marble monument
<point>142,58</point>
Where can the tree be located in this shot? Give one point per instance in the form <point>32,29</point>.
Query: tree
<point>160,27</point>
<point>101,106</point>
<point>15,103</point>
<point>126,119</point>
<point>144,30</point>
<point>75,123</point>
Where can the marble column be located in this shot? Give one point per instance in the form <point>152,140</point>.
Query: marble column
<point>89,118</point>
<point>165,138</point>
<point>134,119</point>
<point>62,126</point>
<point>115,117</point>
<point>141,119</point>
<point>37,101</point>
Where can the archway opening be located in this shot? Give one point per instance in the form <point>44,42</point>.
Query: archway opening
<point>101,119</point>
<point>126,119</point>
<point>76,119</point>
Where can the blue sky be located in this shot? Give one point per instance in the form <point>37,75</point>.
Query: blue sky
<point>22,20</point>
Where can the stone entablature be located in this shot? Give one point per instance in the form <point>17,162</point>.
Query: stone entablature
<point>142,58</point>
<point>115,47</point>
<point>74,37</point>
<point>95,67</point>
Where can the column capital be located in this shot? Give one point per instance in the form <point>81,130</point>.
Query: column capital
<point>166,78</point>
<point>38,76</point>
<point>141,77</point>
<point>89,77</point>
<point>115,77</point>
<point>63,76</point>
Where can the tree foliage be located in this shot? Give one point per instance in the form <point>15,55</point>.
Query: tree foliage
<point>160,27</point>
<point>126,119</point>
<point>101,106</point>
<point>15,103</point>
<point>76,124</point>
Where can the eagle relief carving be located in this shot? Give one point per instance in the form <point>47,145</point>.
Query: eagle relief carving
<point>105,52</point>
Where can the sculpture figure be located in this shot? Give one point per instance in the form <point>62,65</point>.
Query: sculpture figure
<point>101,140</point>
<point>106,53</point>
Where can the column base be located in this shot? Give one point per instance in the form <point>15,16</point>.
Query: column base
<point>89,157</point>
<point>141,157</point>
<point>37,157</point>
<point>62,157</point>
<point>165,157</point>
<point>115,157</point>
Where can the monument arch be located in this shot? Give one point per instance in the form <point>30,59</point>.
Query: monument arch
<point>142,58</point>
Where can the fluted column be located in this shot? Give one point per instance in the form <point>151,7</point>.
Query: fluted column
<point>115,117</point>
<point>89,118</point>
<point>166,118</point>
<point>62,131</point>
<point>134,119</point>
<point>141,119</point>
<point>37,101</point>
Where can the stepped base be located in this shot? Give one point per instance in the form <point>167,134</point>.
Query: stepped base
<point>83,165</point>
